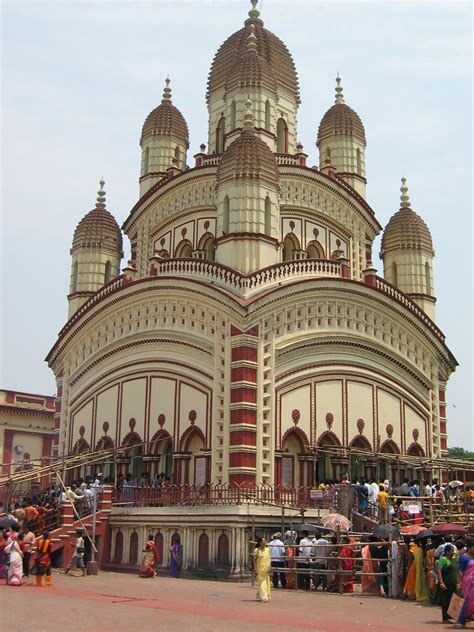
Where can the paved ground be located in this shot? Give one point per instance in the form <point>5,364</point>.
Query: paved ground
<point>114,601</point>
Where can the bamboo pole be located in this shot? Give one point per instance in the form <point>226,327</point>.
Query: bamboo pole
<point>77,515</point>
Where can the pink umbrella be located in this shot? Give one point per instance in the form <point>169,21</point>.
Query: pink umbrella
<point>412,529</point>
<point>336,521</point>
<point>450,528</point>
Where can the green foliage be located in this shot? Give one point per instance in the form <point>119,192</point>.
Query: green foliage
<point>460,453</point>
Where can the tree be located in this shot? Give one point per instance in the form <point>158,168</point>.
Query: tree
<point>460,453</point>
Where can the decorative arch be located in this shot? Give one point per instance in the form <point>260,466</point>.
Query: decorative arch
<point>223,558</point>
<point>290,245</point>
<point>184,249</point>
<point>233,118</point>
<point>267,115</point>
<point>282,136</point>
<point>220,136</point>
<point>108,272</point>
<point>81,446</point>
<point>203,551</point>
<point>175,538</point>
<point>328,438</point>
<point>177,155</point>
<point>315,250</point>
<point>389,447</point>
<point>268,216</point>
<point>104,443</point>
<point>146,161</point>
<point>359,162</point>
<point>428,278</point>
<point>158,438</point>
<point>133,556</point>
<point>394,274</point>
<point>188,435</point>
<point>206,243</point>
<point>415,449</point>
<point>159,543</point>
<point>361,442</point>
<point>118,553</point>
<point>226,215</point>
<point>131,439</point>
<point>299,435</point>
<point>75,271</point>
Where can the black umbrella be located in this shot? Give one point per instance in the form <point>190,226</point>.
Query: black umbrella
<point>7,522</point>
<point>310,528</point>
<point>386,531</point>
<point>422,535</point>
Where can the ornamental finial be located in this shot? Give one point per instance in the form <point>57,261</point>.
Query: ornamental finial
<point>248,117</point>
<point>405,199</point>
<point>254,12</point>
<point>166,91</point>
<point>339,95</point>
<point>101,194</point>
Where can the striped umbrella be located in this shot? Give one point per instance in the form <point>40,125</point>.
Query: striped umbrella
<point>336,521</point>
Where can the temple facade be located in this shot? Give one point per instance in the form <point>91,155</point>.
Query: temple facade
<point>249,339</point>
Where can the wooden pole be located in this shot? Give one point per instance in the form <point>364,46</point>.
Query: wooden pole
<point>77,515</point>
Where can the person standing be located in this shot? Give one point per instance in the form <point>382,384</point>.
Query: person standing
<point>304,562</point>
<point>176,559</point>
<point>447,577</point>
<point>277,556</point>
<point>15,565</point>
<point>320,559</point>
<point>43,559</point>
<point>261,570</point>
<point>151,558</point>
<point>29,542</point>
<point>77,559</point>
<point>466,579</point>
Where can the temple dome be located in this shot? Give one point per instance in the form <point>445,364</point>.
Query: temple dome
<point>251,69</point>
<point>98,228</point>
<point>166,120</point>
<point>406,229</point>
<point>269,47</point>
<point>341,120</point>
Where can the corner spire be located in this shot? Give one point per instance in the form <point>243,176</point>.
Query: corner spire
<point>101,195</point>
<point>252,40</point>
<point>166,91</point>
<point>339,95</point>
<point>248,117</point>
<point>405,199</point>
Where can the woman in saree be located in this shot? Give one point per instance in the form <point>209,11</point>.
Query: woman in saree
<point>176,559</point>
<point>261,570</point>
<point>421,588</point>
<point>15,568</point>
<point>409,589</point>
<point>466,578</point>
<point>150,558</point>
<point>347,564</point>
<point>3,544</point>
<point>290,562</point>
<point>447,577</point>
<point>43,559</point>
<point>369,568</point>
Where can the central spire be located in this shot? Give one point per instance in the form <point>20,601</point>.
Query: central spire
<point>405,198</point>
<point>101,195</point>
<point>166,91</point>
<point>254,13</point>
<point>339,95</point>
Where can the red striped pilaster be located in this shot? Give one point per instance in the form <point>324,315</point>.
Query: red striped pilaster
<point>243,407</point>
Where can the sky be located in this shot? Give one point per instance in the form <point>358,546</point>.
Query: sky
<point>79,78</point>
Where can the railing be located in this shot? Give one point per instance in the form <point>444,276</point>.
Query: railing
<point>211,161</point>
<point>287,159</point>
<point>392,291</point>
<point>247,284</point>
<point>193,495</point>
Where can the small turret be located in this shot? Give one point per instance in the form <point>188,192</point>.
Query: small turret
<point>407,254</point>
<point>96,253</point>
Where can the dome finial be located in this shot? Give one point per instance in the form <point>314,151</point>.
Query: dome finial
<point>254,12</point>
<point>339,95</point>
<point>252,40</point>
<point>166,91</point>
<point>248,116</point>
<point>405,199</point>
<point>101,194</point>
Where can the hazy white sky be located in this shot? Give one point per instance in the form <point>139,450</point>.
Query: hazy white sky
<point>79,78</point>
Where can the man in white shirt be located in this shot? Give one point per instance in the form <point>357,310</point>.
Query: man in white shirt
<point>277,556</point>
<point>304,560</point>
<point>373,493</point>
<point>320,554</point>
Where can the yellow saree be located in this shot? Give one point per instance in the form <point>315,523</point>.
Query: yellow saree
<point>262,571</point>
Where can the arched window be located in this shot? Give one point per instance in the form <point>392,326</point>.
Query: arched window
<point>428,278</point>
<point>206,243</point>
<point>226,215</point>
<point>267,115</point>
<point>289,469</point>
<point>359,162</point>
<point>394,274</point>
<point>315,250</point>
<point>220,136</point>
<point>282,137</point>
<point>146,161</point>
<point>290,244</point>
<point>108,272</point>
<point>177,155</point>
<point>118,555</point>
<point>415,450</point>
<point>223,551</point>
<point>203,551</point>
<point>184,249</point>
<point>75,270</point>
<point>328,153</point>
<point>268,216</point>
<point>133,557</point>
<point>233,110</point>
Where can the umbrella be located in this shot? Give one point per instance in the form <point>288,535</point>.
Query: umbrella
<point>7,522</point>
<point>456,484</point>
<point>412,529</point>
<point>310,528</point>
<point>385,531</point>
<point>450,528</point>
<point>336,521</point>
<point>426,533</point>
